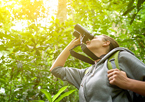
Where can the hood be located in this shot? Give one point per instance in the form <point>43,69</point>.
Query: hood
<point>113,51</point>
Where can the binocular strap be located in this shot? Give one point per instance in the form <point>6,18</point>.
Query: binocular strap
<point>82,57</point>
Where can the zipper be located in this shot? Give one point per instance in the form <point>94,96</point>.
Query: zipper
<point>94,70</point>
<point>86,75</point>
<point>87,78</point>
<point>89,72</point>
<point>83,81</point>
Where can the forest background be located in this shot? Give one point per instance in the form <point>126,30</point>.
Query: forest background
<point>34,32</point>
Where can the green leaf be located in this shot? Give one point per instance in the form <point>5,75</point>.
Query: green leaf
<point>47,94</point>
<point>38,101</point>
<point>2,80</point>
<point>121,6</point>
<point>52,17</point>
<point>59,92</point>
<point>68,29</point>
<point>64,95</point>
<point>2,47</point>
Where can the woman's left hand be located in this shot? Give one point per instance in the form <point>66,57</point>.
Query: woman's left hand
<point>118,78</point>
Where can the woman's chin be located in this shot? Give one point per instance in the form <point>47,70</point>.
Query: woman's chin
<point>89,47</point>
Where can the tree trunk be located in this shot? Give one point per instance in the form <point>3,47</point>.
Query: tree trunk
<point>62,11</point>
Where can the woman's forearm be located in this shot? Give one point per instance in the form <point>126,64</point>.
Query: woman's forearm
<point>61,59</point>
<point>136,86</point>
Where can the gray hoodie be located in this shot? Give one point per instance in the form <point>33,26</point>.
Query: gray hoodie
<point>94,85</point>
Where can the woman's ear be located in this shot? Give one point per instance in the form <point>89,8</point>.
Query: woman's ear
<point>106,43</point>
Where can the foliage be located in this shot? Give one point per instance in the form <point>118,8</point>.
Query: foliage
<point>28,47</point>
<point>57,97</point>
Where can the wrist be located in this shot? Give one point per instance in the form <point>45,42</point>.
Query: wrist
<point>71,45</point>
<point>129,84</point>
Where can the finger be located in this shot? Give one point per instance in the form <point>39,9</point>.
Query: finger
<point>112,82</point>
<point>113,73</point>
<point>113,70</point>
<point>109,75</point>
<point>113,79</point>
<point>110,71</point>
<point>116,72</point>
<point>116,69</point>
<point>110,78</point>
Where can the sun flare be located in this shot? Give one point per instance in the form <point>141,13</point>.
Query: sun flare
<point>50,10</point>
<point>52,5</point>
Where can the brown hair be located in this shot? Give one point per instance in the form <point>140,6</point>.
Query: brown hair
<point>113,43</point>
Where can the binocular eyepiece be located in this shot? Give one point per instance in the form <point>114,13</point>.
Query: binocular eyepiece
<point>84,33</point>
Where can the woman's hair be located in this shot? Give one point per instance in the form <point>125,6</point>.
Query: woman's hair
<point>113,43</point>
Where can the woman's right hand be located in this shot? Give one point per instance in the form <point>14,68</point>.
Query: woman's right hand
<point>75,41</point>
<point>117,77</point>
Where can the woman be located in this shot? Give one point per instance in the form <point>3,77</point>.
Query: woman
<point>94,85</point>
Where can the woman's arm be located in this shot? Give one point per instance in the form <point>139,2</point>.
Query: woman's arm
<point>61,59</point>
<point>119,78</point>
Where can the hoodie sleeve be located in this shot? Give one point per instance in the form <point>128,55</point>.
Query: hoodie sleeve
<point>72,75</point>
<point>134,68</point>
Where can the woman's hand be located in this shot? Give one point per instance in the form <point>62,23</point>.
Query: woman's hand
<point>117,77</point>
<point>75,41</point>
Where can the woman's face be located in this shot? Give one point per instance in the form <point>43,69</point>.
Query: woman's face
<point>95,43</point>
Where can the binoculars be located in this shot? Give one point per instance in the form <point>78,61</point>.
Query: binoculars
<point>84,33</point>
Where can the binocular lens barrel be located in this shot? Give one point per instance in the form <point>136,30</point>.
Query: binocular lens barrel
<point>76,34</point>
<point>83,31</point>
